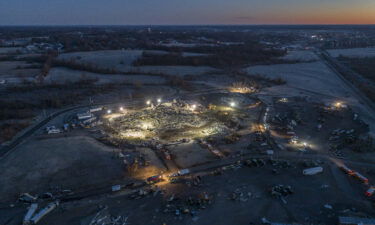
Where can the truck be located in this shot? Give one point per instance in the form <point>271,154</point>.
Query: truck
<point>313,170</point>
<point>180,173</point>
<point>154,179</point>
<point>96,109</point>
<point>54,131</point>
<point>90,120</point>
<point>183,172</point>
<point>82,116</point>
<point>370,191</point>
<point>37,217</point>
<point>347,170</point>
<point>30,213</point>
<point>360,177</point>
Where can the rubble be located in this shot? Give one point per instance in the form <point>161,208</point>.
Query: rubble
<point>104,218</point>
<point>281,190</point>
<point>328,206</point>
<point>26,197</point>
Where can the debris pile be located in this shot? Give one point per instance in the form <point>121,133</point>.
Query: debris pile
<point>281,191</point>
<point>104,218</point>
<point>239,195</point>
<point>189,205</point>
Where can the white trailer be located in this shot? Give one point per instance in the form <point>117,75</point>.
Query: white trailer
<point>54,131</point>
<point>116,188</point>
<point>37,217</point>
<point>313,170</point>
<point>82,116</point>
<point>96,109</point>
<point>183,172</point>
<point>30,213</point>
<point>92,119</point>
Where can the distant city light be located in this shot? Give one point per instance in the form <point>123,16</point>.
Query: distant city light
<point>232,104</point>
<point>159,100</point>
<point>121,108</point>
<point>148,102</point>
<point>109,111</point>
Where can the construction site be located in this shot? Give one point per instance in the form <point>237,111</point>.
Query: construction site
<point>162,132</point>
<point>187,156</point>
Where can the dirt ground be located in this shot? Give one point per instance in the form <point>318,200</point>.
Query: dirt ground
<point>317,199</point>
<point>300,55</point>
<point>191,154</point>
<point>68,163</point>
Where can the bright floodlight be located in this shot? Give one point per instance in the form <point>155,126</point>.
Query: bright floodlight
<point>109,111</point>
<point>148,102</point>
<point>159,100</point>
<point>232,104</point>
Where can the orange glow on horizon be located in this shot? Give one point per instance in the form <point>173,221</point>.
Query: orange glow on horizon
<point>321,15</point>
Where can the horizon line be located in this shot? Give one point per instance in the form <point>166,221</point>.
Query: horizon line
<point>134,25</point>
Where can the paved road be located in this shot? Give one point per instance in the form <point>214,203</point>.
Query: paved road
<point>341,71</point>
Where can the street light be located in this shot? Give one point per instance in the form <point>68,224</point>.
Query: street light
<point>109,111</point>
<point>148,102</point>
<point>121,108</point>
<point>159,100</point>
<point>232,104</point>
<point>194,106</point>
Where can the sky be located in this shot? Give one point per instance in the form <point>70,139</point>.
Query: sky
<point>185,12</point>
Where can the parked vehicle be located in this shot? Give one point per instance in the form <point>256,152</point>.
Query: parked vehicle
<point>313,170</point>
<point>370,191</point>
<point>347,170</point>
<point>154,179</point>
<point>361,177</point>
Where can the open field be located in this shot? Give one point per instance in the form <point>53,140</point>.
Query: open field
<point>17,71</point>
<point>63,75</point>
<point>52,163</point>
<point>9,50</point>
<point>314,76</point>
<point>301,56</point>
<point>353,52</point>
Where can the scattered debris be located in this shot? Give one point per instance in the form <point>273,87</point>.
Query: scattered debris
<point>26,197</point>
<point>327,206</point>
<point>281,190</point>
